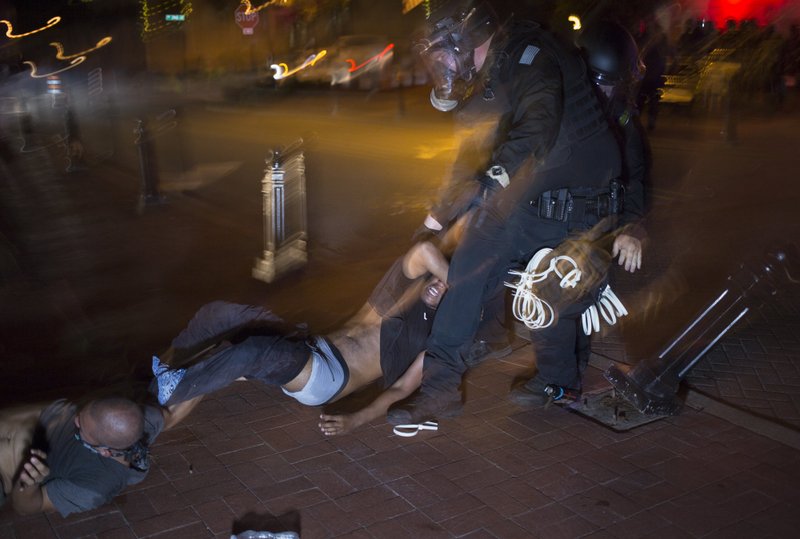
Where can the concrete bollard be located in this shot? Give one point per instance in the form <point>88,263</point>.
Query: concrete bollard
<point>283,190</point>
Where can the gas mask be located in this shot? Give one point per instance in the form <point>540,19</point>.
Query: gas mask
<point>448,54</point>
<point>452,71</point>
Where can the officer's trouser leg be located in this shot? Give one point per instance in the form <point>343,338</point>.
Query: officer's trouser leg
<point>556,362</point>
<point>473,264</point>
<point>492,327</point>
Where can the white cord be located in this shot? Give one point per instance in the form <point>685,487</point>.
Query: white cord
<point>608,306</point>
<point>529,308</point>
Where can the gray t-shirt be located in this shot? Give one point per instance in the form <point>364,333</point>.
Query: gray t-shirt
<point>80,479</point>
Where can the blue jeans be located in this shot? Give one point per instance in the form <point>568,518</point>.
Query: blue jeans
<point>235,341</point>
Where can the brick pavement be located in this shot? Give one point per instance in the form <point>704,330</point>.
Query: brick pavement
<point>705,223</point>
<point>249,453</point>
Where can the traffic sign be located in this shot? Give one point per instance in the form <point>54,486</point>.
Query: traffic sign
<point>246,21</point>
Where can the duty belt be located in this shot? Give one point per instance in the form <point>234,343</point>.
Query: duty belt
<point>575,204</point>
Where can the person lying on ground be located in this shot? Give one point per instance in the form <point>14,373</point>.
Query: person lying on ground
<point>384,340</point>
<point>72,457</point>
<point>69,457</point>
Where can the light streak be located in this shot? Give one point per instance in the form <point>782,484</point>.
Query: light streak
<point>576,22</point>
<point>9,28</point>
<point>60,49</point>
<point>249,9</point>
<point>153,14</point>
<point>282,70</point>
<point>74,63</point>
<point>376,58</point>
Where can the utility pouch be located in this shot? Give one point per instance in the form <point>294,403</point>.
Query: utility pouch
<point>574,205</point>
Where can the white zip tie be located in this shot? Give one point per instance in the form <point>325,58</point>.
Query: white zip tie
<point>529,308</point>
<point>608,306</point>
<point>407,431</point>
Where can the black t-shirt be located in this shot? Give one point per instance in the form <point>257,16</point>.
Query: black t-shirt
<point>407,321</point>
<point>80,479</point>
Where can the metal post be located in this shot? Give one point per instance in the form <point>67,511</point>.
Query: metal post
<point>729,131</point>
<point>150,195</point>
<point>652,384</point>
<point>283,191</point>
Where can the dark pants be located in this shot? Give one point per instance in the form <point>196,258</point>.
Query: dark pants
<point>502,236</point>
<point>246,341</point>
<point>562,350</point>
<point>493,327</point>
<point>478,268</point>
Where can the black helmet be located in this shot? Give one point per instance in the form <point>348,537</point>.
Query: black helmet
<point>611,53</point>
<point>447,49</point>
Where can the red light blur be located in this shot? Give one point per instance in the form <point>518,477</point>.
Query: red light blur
<point>763,11</point>
<point>354,67</point>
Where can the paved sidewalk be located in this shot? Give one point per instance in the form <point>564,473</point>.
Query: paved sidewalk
<point>249,455</point>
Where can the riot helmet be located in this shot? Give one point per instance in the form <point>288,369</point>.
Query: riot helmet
<point>613,57</point>
<point>448,50</point>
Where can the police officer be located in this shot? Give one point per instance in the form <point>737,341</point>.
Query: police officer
<point>615,69</point>
<point>552,163</point>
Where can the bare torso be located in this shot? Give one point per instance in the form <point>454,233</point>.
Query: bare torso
<point>359,342</point>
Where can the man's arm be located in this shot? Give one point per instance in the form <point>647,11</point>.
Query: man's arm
<point>425,257</point>
<point>332,425</point>
<point>28,495</point>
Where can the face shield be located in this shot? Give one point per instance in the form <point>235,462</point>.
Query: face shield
<point>451,68</point>
<point>448,55</point>
<point>616,87</point>
<point>613,59</point>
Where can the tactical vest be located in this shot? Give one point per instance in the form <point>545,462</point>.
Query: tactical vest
<point>583,115</point>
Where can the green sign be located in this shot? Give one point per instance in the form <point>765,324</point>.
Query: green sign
<point>175,17</point>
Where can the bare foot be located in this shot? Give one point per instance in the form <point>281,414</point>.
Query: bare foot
<point>334,425</point>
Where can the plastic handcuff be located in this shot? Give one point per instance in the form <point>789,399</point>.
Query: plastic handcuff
<point>407,431</point>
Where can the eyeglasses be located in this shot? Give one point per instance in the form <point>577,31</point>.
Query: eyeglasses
<point>137,455</point>
<point>95,448</point>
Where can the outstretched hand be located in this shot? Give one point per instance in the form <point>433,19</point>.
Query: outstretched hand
<point>629,250</point>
